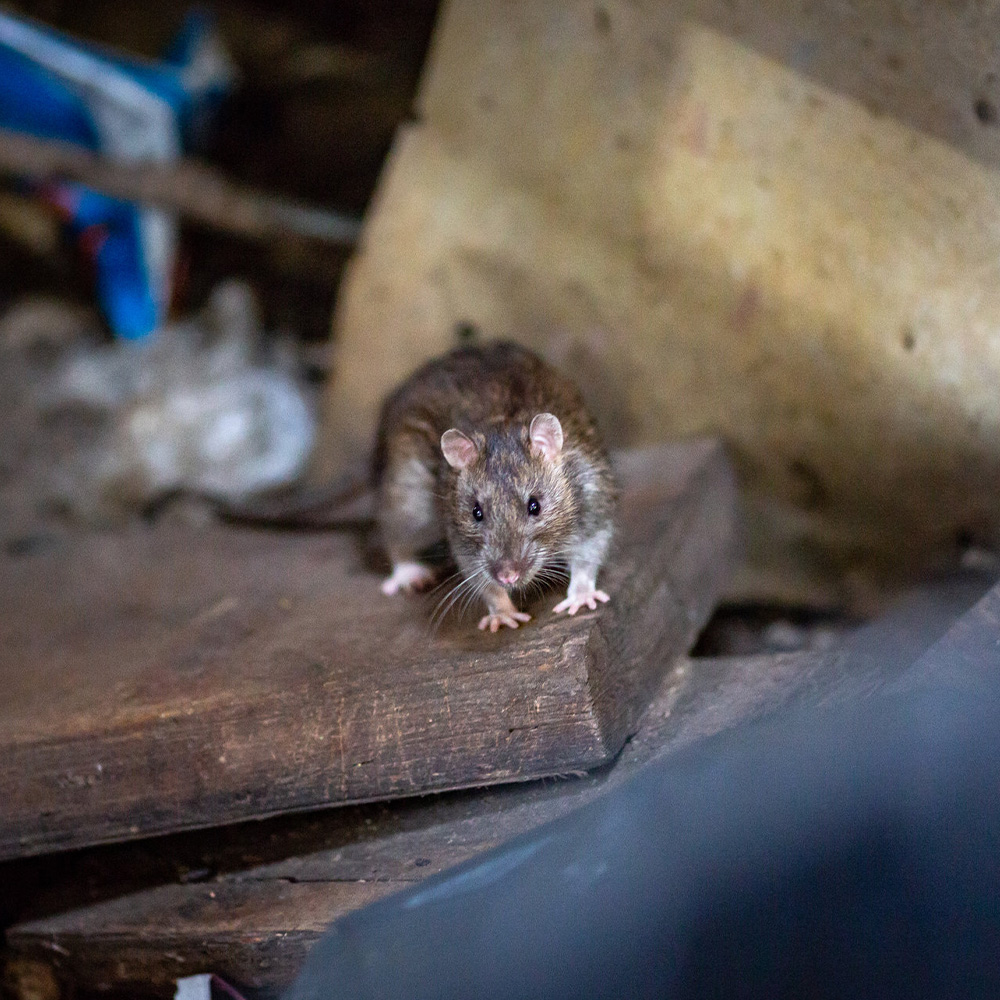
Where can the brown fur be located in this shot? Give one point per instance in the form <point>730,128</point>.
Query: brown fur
<point>490,394</point>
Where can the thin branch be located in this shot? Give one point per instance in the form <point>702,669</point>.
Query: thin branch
<point>185,187</point>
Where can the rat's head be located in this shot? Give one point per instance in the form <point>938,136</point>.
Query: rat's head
<point>510,508</point>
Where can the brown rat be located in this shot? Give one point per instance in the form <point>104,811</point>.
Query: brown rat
<point>493,450</point>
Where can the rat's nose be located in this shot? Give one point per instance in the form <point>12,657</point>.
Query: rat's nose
<point>507,573</point>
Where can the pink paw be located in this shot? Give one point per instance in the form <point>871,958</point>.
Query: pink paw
<point>508,618</point>
<point>578,599</point>
<point>407,576</point>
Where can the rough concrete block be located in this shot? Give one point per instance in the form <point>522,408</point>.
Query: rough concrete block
<point>715,228</point>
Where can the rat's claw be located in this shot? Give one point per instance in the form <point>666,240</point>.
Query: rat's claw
<point>508,618</point>
<point>576,601</point>
<point>570,605</point>
<point>407,576</point>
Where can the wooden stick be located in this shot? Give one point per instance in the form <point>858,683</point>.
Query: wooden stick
<point>186,187</point>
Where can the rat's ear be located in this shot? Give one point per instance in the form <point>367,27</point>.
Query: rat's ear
<point>459,450</point>
<point>546,436</point>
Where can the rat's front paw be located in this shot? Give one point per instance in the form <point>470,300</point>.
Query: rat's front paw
<point>407,576</point>
<point>578,597</point>
<point>508,618</point>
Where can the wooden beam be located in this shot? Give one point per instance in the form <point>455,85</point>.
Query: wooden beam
<point>266,890</point>
<point>188,188</point>
<point>157,681</point>
<point>254,926</point>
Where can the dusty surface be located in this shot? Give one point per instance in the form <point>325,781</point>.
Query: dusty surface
<point>260,898</point>
<point>250,901</point>
<point>161,678</point>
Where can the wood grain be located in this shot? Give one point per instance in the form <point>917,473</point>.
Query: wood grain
<point>266,889</point>
<point>165,680</point>
<point>254,924</point>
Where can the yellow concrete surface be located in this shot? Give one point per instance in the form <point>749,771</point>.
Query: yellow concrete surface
<point>709,239</point>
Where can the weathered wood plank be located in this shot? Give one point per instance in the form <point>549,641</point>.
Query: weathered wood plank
<point>255,926</point>
<point>268,888</point>
<point>162,681</point>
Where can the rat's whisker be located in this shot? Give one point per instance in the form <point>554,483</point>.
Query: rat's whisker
<point>449,599</point>
<point>443,583</point>
<point>468,585</point>
<point>475,593</point>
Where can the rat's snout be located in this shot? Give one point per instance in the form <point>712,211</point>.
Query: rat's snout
<point>509,571</point>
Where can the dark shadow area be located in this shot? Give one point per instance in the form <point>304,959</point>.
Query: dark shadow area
<point>817,853</point>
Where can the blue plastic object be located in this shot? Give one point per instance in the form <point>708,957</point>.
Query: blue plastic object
<point>129,109</point>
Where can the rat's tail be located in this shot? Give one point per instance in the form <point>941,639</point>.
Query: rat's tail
<point>348,500</point>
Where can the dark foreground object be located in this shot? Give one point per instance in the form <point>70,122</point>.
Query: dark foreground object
<point>827,852</point>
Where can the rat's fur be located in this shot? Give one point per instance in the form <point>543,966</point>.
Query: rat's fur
<point>516,430</point>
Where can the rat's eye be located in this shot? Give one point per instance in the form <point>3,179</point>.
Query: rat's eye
<point>534,507</point>
<point>477,512</point>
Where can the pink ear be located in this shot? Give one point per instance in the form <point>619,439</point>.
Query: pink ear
<point>546,436</point>
<point>459,451</point>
